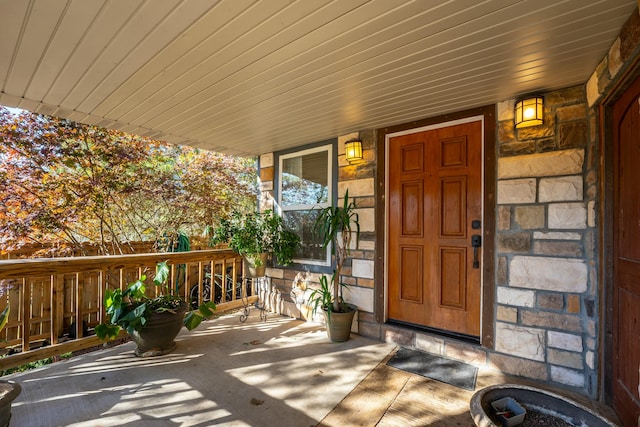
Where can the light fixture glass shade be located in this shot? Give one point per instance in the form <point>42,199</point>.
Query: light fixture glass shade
<point>529,112</point>
<point>353,150</point>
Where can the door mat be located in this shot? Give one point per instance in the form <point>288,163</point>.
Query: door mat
<point>453,372</point>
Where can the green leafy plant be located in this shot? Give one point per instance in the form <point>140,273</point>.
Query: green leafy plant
<point>257,233</point>
<point>130,309</point>
<point>336,225</point>
<point>323,296</point>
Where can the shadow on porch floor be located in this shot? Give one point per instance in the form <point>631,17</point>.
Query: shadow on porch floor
<point>281,372</point>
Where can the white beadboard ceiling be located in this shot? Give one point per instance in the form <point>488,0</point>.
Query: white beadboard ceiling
<point>248,77</point>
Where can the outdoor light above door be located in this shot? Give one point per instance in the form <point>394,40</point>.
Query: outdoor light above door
<point>353,150</point>
<point>529,112</point>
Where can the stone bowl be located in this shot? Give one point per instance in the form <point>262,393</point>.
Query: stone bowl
<point>535,401</point>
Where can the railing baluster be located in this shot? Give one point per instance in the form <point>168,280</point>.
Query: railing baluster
<point>26,314</point>
<point>78,307</point>
<point>57,300</point>
<point>61,297</point>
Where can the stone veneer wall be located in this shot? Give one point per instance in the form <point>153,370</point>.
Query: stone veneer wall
<point>358,271</point>
<point>546,299</point>
<point>547,277</point>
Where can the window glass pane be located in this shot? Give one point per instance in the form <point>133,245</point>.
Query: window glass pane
<point>305,180</point>
<point>302,222</point>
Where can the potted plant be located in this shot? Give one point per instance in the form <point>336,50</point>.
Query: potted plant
<point>256,236</point>
<point>336,225</point>
<point>153,323</point>
<point>9,390</point>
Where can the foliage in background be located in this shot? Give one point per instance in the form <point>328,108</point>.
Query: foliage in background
<point>70,186</point>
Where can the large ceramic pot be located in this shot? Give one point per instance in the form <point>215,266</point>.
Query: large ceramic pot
<point>8,393</point>
<point>252,270</point>
<point>339,324</point>
<point>157,336</point>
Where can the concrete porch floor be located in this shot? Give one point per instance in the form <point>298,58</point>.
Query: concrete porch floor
<point>282,372</point>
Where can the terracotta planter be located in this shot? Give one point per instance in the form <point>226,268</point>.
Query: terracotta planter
<point>339,324</point>
<point>8,393</point>
<point>157,336</point>
<point>251,270</point>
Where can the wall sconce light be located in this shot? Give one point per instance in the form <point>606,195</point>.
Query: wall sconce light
<point>529,112</point>
<point>353,150</point>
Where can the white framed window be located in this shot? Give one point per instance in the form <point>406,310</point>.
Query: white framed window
<point>305,186</point>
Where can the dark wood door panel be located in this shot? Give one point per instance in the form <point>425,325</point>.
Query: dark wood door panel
<point>626,256</point>
<point>432,202</point>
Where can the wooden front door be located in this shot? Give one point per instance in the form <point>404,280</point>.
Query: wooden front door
<point>626,257</point>
<point>435,209</point>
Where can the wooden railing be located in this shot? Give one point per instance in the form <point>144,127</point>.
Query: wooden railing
<point>56,302</point>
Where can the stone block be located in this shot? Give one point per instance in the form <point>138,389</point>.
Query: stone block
<point>429,344</point>
<point>567,216</point>
<point>504,217</point>
<point>366,283</point>
<point>573,304</point>
<point>571,112</point>
<point>507,314</point>
<point>565,358</point>
<point>567,376</point>
<point>266,185</point>
<point>516,148</point>
<point>366,245</point>
<point>516,297</point>
<point>357,188</point>
<point>506,132</point>
<point>363,268</point>
<point>590,359</point>
<point>528,217</point>
<point>561,189</point>
<point>367,219</point>
<point>550,301</point>
<point>276,273</point>
<point>516,191</point>
<point>361,170</point>
<point>546,145</point>
<point>591,214</point>
<point>629,36</point>
<point>514,242</point>
<point>546,130</point>
<point>266,160</point>
<point>573,135</point>
<point>398,336</point>
<point>548,320</point>
<point>592,89</point>
<point>570,249</point>
<point>519,341</point>
<point>466,353</point>
<point>501,274</point>
<point>564,162</point>
<point>361,297</point>
<point>505,110</point>
<point>569,95</point>
<point>556,235</point>
<point>550,274</point>
<point>371,330</point>
<point>517,366</point>
<point>614,58</point>
<point>564,341</point>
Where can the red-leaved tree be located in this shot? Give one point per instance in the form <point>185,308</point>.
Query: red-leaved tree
<point>67,186</point>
